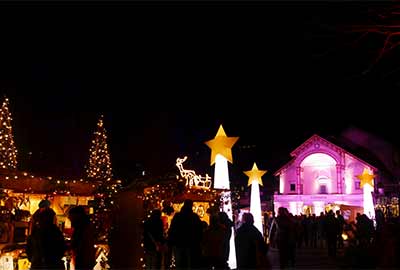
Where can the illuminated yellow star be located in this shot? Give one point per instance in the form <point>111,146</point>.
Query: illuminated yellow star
<point>255,175</point>
<point>366,178</point>
<point>222,145</point>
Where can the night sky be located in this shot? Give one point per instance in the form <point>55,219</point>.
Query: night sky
<point>166,75</point>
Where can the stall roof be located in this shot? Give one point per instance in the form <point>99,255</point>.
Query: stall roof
<point>24,182</point>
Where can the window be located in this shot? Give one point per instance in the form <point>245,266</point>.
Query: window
<point>357,187</point>
<point>292,187</point>
<point>322,189</point>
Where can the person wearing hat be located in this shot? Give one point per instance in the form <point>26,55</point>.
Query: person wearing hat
<point>43,205</point>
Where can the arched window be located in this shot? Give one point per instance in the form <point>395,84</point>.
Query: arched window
<point>318,173</point>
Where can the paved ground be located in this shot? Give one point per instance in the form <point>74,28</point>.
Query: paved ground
<point>308,258</point>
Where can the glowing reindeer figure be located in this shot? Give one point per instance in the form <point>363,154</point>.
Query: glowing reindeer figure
<point>189,175</point>
<point>192,179</point>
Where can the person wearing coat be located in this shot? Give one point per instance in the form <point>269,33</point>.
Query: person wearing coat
<point>46,245</point>
<point>251,250</point>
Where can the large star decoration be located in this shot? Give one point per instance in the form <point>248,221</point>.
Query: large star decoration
<point>366,178</point>
<point>255,175</point>
<point>222,145</point>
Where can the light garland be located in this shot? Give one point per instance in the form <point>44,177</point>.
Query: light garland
<point>22,182</point>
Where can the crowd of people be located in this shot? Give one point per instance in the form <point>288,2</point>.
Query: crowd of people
<point>368,245</point>
<point>190,243</point>
<point>289,232</point>
<point>46,245</point>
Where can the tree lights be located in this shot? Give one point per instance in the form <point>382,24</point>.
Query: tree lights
<point>99,171</point>
<point>8,151</point>
<point>99,160</point>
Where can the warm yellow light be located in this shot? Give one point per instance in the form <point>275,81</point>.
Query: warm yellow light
<point>255,175</point>
<point>344,236</point>
<point>366,178</point>
<point>222,145</point>
<point>192,179</point>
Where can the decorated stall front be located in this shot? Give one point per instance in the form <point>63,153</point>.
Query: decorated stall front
<point>170,195</point>
<point>21,192</point>
<point>20,195</point>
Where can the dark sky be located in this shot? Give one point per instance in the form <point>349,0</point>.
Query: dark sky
<point>166,75</point>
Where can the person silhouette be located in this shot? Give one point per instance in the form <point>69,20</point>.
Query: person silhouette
<point>43,205</point>
<point>153,240</point>
<point>286,238</point>
<point>46,245</point>
<point>82,240</point>
<point>185,236</point>
<point>251,250</point>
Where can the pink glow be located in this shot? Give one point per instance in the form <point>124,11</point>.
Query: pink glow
<point>319,160</point>
<point>368,204</point>
<point>324,174</point>
<point>318,174</point>
<point>295,203</point>
<point>318,207</point>
<point>293,208</point>
<point>282,184</point>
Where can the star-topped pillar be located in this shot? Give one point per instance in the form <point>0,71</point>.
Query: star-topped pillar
<point>221,153</point>
<point>367,183</point>
<point>255,203</point>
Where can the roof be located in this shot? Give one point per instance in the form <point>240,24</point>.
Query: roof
<point>313,138</point>
<point>23,182</point>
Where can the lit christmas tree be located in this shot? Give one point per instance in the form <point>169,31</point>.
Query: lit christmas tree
<point>100,172</point>
<point>99,168</point>
<point>8,151</point>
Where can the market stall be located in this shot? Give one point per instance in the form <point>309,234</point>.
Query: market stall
<point>20,195</point>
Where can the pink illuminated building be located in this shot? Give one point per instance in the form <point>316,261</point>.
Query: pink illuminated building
<point>321,176</point>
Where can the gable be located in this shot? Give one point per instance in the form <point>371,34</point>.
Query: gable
<point>317,144</point>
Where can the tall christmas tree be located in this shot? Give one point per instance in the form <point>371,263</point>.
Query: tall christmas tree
<point>99,171</point>
<point>99,168</point>
<point>8,151</point>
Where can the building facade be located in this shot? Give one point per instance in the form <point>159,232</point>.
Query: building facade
<point>321,176</point>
